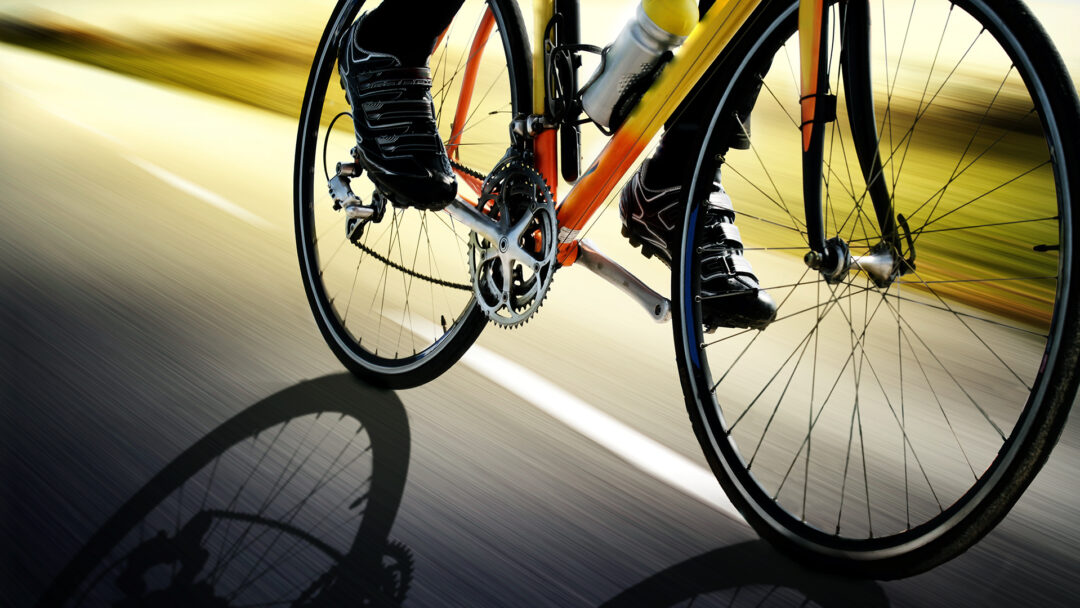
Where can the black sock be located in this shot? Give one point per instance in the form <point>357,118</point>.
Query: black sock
<point>674,156</point>
<point>407,29</point>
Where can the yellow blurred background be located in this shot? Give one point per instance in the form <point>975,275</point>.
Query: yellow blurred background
<point>258,52</point>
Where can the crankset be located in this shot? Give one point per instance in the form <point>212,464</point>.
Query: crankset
<point>512,255</point>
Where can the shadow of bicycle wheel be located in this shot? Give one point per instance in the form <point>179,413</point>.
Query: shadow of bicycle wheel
<point>290,502</point>
<point>747,574</point>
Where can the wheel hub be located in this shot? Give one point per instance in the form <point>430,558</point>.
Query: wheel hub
<point>883,264</point>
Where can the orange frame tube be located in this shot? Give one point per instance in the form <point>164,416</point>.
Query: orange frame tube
<point>468,85</point>
<point>811,13</point>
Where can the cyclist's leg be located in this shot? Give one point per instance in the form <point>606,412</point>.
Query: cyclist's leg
<point>397,27</point>
<point>383,64</point>
<point>651,207</point>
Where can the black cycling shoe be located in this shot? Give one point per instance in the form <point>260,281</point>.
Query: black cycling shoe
<point>731,295</point>
<point>397,139</point>
<point>650,215</point>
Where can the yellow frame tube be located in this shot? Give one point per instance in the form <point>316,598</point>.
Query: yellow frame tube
<point>546,145</point>
<point>678,78</point>
<point>542,13</point>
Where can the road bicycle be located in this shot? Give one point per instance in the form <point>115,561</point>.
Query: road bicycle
<point>924,354</point>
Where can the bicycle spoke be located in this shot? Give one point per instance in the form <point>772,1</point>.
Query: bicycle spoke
<point>779,201</point>
<point>937,399</point>
<point>971,227</point>
<point>805,339</point>
<point>973,332</point>
<point>783,393</point>
<point>987,193</point>
<point>952,377</point>
<point>967,147</point>
<point>777,224</point>
<point>921,111</point>
<point>964,314</point>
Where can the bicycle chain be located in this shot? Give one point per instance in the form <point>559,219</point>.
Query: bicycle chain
<point>409,271</point>
<point>436,281</point>
<point>467,171</point>
<point>413,273</point>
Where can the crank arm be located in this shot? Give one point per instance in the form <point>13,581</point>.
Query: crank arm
<point>658,307</point>
<point>467,214</point>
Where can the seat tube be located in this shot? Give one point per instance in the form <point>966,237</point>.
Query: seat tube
<point>545,145</point>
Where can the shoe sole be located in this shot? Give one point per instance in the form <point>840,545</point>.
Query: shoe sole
<point>736,322</point>
<point>647,249</point>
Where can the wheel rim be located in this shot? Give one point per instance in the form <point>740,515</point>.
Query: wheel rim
<point>805,469</point>
<point>398,297</point>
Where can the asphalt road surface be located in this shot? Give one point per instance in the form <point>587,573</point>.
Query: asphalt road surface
<point>149,292</point>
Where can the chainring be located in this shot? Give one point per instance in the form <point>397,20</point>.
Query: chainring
<point>511,277</point>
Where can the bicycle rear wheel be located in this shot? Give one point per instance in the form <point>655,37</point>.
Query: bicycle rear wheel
<point>396,304</point>
<point>883,430</point>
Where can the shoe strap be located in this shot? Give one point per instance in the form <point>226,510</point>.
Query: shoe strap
<point>729,234</point>
<point>734,264</point>
<point>398,77</point>
<point>720,201</point>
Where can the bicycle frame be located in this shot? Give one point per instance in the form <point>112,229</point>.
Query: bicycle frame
<point>701,49</point>
<point>675,82</point>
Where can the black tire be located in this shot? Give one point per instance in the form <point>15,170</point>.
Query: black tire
<point>304,483</point>
<point>955,407</point>
<point>407,336</point>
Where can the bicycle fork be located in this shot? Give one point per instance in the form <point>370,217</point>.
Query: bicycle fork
<point>831,256</point>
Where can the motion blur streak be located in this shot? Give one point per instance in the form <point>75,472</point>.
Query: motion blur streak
<point>643,452</point>
<point>201,193</point>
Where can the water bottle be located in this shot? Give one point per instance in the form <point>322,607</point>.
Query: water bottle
<point>629,65</point>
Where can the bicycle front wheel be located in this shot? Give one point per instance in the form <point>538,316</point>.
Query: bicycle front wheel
<point>396,303</point>
<point>882,429</point>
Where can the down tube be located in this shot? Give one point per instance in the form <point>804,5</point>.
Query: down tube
<point>700,50</point>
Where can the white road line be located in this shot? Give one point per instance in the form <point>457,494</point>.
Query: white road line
<point>644,453</point>
<point>201,193</point>
<point>635,448</point>
<point>172,179</point>
<point>44,105</point>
